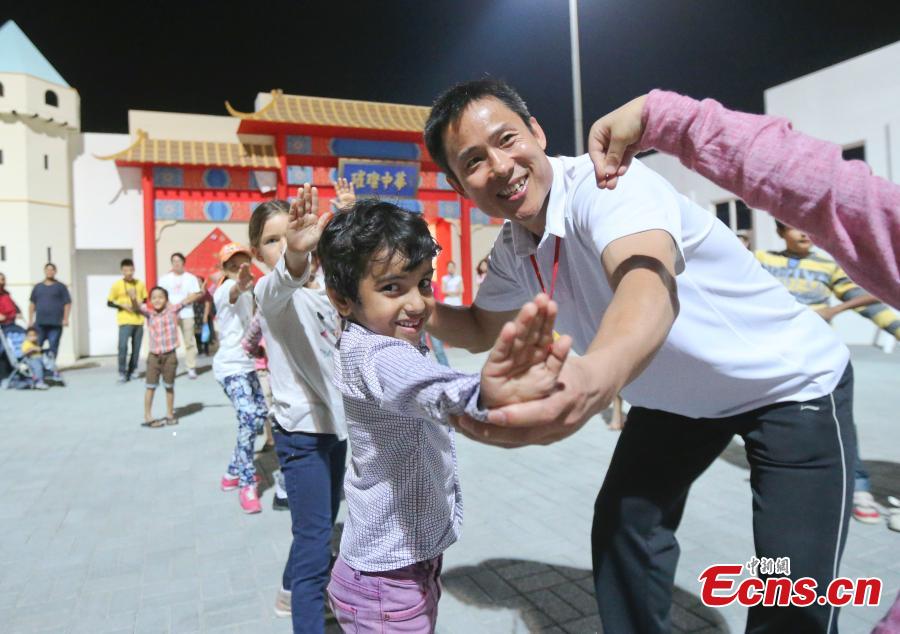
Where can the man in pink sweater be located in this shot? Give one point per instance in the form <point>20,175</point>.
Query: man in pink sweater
<point>802,181</point>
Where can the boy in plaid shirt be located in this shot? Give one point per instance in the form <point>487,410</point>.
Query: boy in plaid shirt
<point>162,326</point>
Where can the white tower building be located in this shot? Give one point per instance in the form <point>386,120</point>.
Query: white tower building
<point>39,133</point>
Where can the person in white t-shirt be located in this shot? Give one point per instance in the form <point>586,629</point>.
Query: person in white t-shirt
<point>236,371</point>
<point>667,307</point>
<point>301,329</point>
<point>179,284</point>
<point>452,286</point>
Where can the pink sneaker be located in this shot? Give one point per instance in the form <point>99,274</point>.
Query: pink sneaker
<point>230,482</point>
<point>249,499</point>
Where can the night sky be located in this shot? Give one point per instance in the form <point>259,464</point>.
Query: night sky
<point>191,56</point>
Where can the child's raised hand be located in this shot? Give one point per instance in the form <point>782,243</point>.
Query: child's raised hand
<point>525,362</point>
<point>305,226</point>
<point>244,278</point>
<point>344,194</point>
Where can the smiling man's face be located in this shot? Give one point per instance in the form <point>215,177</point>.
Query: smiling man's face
<point>499,163</point>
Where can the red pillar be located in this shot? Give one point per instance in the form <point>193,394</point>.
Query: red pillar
<point>443,235</point>
<point>281,149</point>
<point>465,247</point>
<point>149,195</point>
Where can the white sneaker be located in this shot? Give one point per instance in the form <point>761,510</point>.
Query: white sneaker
<point>283,603</point>
<point>192,374</point>
<point>893,520</point>
<point>865,509</point>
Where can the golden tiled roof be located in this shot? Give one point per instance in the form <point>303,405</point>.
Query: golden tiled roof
<point>343,113</point>
<point>169,152</point>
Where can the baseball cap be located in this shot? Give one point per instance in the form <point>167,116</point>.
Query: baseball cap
<point>231,249</point>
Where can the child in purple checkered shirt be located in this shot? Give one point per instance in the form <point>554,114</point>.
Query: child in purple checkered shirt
<point>402,490</point>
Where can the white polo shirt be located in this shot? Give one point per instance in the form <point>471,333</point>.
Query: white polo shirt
<point>740,341</point>
<point>179,287</point>
<point>301,329</point>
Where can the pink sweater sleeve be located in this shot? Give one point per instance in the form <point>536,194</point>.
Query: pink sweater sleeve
<point>802,181</point>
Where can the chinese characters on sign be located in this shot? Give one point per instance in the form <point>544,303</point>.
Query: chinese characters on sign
<point>381,178</point>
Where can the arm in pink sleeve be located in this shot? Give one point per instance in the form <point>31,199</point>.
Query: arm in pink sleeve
<point>252,337</point>
<point>802,181</point>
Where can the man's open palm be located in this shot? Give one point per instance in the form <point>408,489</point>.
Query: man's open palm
<point>525,362</point>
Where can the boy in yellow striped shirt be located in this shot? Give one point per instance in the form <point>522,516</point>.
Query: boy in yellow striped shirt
<point>812,278</point>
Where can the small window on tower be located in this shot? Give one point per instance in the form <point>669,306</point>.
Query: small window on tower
<point>51,99</point>
<point>1,88</point>
<point>46,162</point>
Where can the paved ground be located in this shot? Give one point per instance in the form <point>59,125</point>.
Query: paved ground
<point>109,527</point>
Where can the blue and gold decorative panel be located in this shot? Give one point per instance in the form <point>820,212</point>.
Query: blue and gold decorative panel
<point>381,178</point>
<point>216,178</point>
<point>478,217</point>
<point>299,174</point>
<point>295,144</point>
<point>442,182</point>
<point>395,150</point>
<point>217,210</point>
<point>448,209</point>
<point>413,205</point>
<point>168,177</point>
<point>168,210</point>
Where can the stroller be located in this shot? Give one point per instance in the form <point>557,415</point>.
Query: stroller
<point>22,376</point>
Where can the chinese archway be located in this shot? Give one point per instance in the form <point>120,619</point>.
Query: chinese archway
<point>378,146</point>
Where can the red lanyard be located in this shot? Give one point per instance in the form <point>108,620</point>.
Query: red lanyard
<point>537,271</point>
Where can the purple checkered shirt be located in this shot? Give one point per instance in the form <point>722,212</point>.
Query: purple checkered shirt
<point>162,327</point>
<point>402,485</point>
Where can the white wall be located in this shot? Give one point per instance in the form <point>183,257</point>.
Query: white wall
<point>180,126</point>
<point>107,199</point>
<point>848,103</point>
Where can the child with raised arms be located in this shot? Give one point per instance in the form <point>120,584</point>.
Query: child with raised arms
<point>236,371</point>
<point>162,326</point>
<point>301,327</point>
<point>402,489</point>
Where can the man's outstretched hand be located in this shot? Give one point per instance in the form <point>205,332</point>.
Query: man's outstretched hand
<point>614,140</point>
<point>525,362</point>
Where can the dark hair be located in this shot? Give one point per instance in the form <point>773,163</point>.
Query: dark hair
<point>780,226</point>
<point>31,329</point>
<point>159,288</point>
<point>449,106</point>
<point>358,235</point>
<point>126,262</point>
<point>50,264</point>
<point>178,254</point>
<point>261,216</point>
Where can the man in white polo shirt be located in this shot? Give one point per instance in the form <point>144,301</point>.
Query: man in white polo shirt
<point>179,284</point>
<point>666,306</point>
